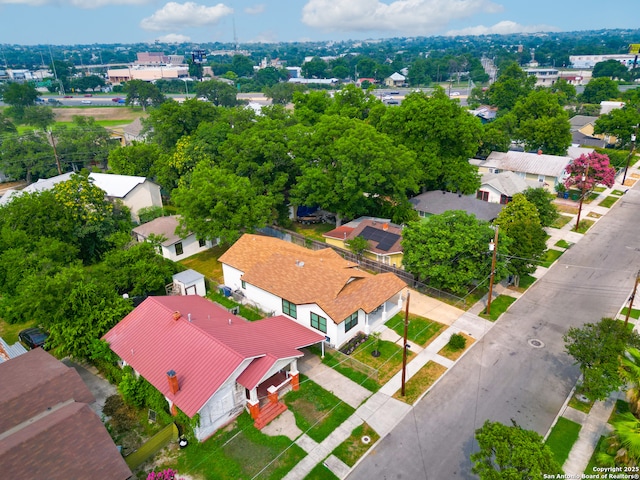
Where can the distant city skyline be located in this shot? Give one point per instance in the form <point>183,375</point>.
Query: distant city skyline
<point>67,22</point>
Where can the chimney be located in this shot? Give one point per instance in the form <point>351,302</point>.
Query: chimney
<point>539,151</point>
<point>176,315</point>
<point>173,382</point>
<point>385,226</point>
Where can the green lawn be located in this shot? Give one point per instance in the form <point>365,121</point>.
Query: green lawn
<point>388,363</point>
<point>498,306</point>
<point>207,263</point>
<point>599,189</point>
<point>634,313</point>
<point>353,447</point>
<point>420,382</point>
<point>334,361</point>
<point>563,435</point>
<point>550,256</point>
<point>585,225</point>
<point>9,331</point>
<point>608,201</point>
<point>619,193</point>
<point>317,411</point>
<point>239,452</point>
<point>320,472</point>
<point>526,281</point>
<point>420,330</point>
<point>561,221</point>
<point>314,230</point>
<point>578,404</point>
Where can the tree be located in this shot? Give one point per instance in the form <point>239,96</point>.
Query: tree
<point>519,220</point>
<point>543,200</point>
<point>27,156</point>
<point>83,143</point>
<point>351,169</point>
<point>281,93</point>
<point>539,122</point>
<point>599,90</point>
<point>6,125</point>
<point>357,245</point>
<point>630,363</point>
<point>620,122</point>
<point>494,138</point>
<point>512,85</point>
<point>137,159</point>
<point>442,134</point>
<point>216,203</point>
<point>218,93</point>
<point>270,76</point>
<point>143,93</point>
<point>20,95</point>
<point>417,74</point>
<point>564,91</point>
<point>242,66</point>
<point>511,453</point>
<point>597,348</point>
<point>352,102</point>
<point>450,251</point>
<point>611,69</point>
<point>309,107</point>
<point>314,68</point>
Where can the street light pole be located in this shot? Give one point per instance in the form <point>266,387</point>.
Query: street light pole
<point>404,346</point>
<point>493,246</point>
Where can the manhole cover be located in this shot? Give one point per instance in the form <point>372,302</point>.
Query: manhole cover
<point>535,343</point>
<point>582,398</point>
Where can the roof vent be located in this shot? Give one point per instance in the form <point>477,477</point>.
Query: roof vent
<point>229,321</point>
<point>189,316</point>
<point>176,315</point>
<point>299,263</point>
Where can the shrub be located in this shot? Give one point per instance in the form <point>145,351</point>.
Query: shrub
<point>122,417</point>
<point>457,342</point>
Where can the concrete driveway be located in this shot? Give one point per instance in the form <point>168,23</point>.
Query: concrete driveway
<point>420,304</point>
<point>97,385</point>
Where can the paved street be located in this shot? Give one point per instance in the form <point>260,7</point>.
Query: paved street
<point>504,377</point>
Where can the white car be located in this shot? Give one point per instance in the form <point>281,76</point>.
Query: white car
<point>454,94</point>
<point>86,102</point>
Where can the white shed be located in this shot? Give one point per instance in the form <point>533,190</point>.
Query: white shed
<point>189,282</point>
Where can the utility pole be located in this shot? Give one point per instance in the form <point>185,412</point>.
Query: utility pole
<point>633,295</point>
<point>585,175</point>
<point>55,152</point>
<point>492,247</point>
<point>633,148</point>
<point>405,346</point>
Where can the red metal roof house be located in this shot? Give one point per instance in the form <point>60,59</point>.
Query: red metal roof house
<point>206,361</point>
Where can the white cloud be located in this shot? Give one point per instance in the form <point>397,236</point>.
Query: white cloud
<point>174,38</point>
<point>255,9</point>
<point>87,4</point>
<point>502,28</point>
<point>189,14</point>
<point>413,17</point>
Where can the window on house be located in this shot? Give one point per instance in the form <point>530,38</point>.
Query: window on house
<point>290,309</point>
<point>202,242</point>
<point>351,322</point>
<point>482,195</point>
<point>318,322</point>
<point>504,199</point>
<point>243,283</point>
<point>179,250</point>
<point>541,178</point>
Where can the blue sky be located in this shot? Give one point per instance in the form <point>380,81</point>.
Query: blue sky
<point>61,22</point>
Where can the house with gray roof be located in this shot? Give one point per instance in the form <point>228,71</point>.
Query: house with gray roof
<point>501,187</point>
<point>437,202</point>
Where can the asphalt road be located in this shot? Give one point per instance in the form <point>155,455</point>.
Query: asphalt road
<point>503,377</point>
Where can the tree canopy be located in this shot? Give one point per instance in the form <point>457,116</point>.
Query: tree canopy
<point>589,170</point>
<point>599,90</point>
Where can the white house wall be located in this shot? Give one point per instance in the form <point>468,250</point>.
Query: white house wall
<point>145,194</point>
<point>190,246</point>
<point>494,195</point>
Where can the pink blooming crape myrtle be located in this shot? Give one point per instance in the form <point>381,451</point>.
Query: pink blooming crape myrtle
<point>587,171</point>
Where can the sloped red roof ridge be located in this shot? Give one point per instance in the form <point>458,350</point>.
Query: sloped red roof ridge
<point>205,346</point>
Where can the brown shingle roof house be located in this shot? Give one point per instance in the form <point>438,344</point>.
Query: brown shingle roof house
<point>47,429</point>
<point>318,289</point>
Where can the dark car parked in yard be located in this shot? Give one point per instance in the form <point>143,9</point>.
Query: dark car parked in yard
<point>33,337</point>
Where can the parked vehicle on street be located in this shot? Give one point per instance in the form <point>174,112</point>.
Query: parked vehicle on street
<point>33,337</point>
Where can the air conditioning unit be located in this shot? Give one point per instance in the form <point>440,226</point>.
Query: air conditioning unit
<point>235,310</point>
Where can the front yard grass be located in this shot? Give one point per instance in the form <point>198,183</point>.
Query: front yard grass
<point>207,263</point>
<point>498,307</point>
<point>421,330</point>
<point>317,411</point>
<point>593,463</point>
<point>334,361</point>
<point>563,244</point>
<point>578,404</point>
<point>619,193</point>
<point>561,221</point>
<point>562,208</point>
<point>239,451</point>
<point>9,331</point>
<point>452,354</point>
<point>525,282</point>
<point>353,447</point>
<point>550,256</point>
<point>562,437</point>
<point>420,382</point>
<point>608,201</point>
<point>388,363</point>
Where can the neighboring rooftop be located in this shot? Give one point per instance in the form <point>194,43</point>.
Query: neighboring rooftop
<point>383,236</point>
<point>164,226</point>
<point>532,163</point>
<point>507,183</point>
<point>8,352</point>
<point>437,202</point>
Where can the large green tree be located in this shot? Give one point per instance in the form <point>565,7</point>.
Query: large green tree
<point>217,92</point>
<point>137,159</point>
<point>543,200</point>
<point>215,203</point>
<point>520,221</point>
<point>83,143</point>
<point>620,122</point>
<point>309,107</point>
<point>512,453</point>
<point>597,349</point>
<point>143,93</point>
<point>442,134</point>
<point>27,157</point>
<point>450,251</point>
<point>610,68</point>
<point>512,85</point>
<point>599,90</point>
<point>349,168</point>
<point>315,68</point>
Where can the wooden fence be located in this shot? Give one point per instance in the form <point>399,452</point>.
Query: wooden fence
<point>152,446</point>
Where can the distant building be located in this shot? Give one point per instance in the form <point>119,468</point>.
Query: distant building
<point>545,77</point>
<point>395,80</point>
<point>437,202</point>
<point>147,74</point>
<point>589,61</point>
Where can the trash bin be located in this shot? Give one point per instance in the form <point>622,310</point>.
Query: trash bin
<point>565,195</point>
<point>226,291</point>
<point>575,196</point>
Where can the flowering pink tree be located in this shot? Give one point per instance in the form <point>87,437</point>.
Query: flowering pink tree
<point>587,171</point>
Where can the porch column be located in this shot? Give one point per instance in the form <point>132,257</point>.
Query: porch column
<point>366,324</point>
<point>293,366</point>
<point>272,394</point>
<point>295,380</point>
<point>253,395</point>
<point>254,409</point>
